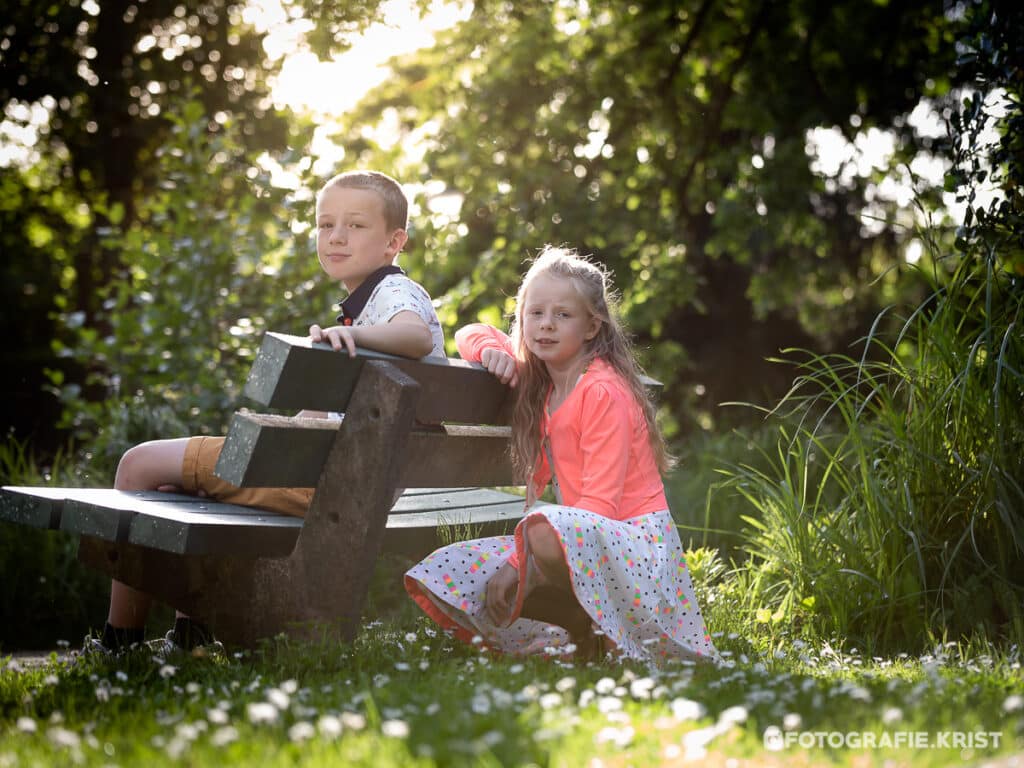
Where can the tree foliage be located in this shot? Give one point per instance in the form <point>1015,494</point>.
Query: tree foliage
<point>103,87</point>
<point>670,140</point>
<point>988,133</point>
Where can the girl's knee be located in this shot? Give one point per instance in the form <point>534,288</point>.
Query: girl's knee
<point>543,541</point>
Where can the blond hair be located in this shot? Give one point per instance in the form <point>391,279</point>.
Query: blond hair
<point>611,344</point>
<point>396,205</point>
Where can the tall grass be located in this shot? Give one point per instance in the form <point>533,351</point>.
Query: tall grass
<point>894,512</point>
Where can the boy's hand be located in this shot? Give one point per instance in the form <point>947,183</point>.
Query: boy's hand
<point>336,336</point>
<point>501,591</point>
<point>501,364</point>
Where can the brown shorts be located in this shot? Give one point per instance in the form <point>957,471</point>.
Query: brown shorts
<point>201,454</point>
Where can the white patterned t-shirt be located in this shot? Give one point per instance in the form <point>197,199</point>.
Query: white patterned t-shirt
<point>398,293</point>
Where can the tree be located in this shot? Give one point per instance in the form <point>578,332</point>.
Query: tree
<point>669,140</point>
<point>103,85</point>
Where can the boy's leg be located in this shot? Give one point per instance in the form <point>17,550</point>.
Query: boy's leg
<point>151,466</point>
<point>200,460</point>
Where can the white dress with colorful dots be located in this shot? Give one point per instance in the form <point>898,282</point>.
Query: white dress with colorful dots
<point>629,575</point>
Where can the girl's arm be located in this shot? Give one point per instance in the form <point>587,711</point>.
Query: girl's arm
<point>607,432</point>
<point>472,340</point>
<point>483,344</point>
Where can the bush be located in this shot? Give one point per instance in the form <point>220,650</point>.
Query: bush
<point>896,510</point>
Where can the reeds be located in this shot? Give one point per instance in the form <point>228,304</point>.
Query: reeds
<point>893,512</point>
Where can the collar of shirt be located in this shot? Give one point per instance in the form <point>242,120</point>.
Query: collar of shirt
<point>353,306</point>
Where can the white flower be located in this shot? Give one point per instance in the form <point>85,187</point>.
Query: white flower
<point>410,637</point>
<point>792,721</point>
<point>641,688</point>
<point>278,698</point>
<point>167,671</point>
<point>550,700</point>
<point>261,712</point>
<point>193,688</point>
<point>353,720</point>
<point>565,684</point>
<point>733,715</point>
<point>224,736</point>
<point>1013,703</point>
<point>686,709</point>
<point>480,704</point>
<point>329,726</point>
<point>217,716</point>
<point>402,666</point>
<point>290,686</point>
<point>605,685</point>
<point>609,704</point>
<point>529,693</point>
<point>62,737</point>
<point>892,715</point>
<point>695,742</point>
<point>396,729</point>
<point>301,731</point>
<point>26,725</point>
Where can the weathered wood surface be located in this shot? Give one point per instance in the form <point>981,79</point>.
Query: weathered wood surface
<point>184,524</point>
<point>453,390</point>
<point>269,451</point>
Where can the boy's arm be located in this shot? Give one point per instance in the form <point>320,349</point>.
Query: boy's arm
<point>404,334</point>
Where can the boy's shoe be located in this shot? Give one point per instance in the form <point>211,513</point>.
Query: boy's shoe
<point>187,636</point>
<point>93,646</point>
<point>113,642</point>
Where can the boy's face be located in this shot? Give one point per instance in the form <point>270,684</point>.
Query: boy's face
<point>353,239</point>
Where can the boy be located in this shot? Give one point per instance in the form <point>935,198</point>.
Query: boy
<point>361,220</point>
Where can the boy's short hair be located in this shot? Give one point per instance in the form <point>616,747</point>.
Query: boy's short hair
<point>396,206</point>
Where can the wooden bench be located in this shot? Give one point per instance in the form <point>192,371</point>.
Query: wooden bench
<point>437,428</point>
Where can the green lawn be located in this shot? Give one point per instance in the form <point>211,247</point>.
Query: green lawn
<point>405,694</point>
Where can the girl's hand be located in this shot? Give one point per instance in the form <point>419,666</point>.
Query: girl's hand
<point>501,591</point>
<point>336,336</point>
<point>501,364</point>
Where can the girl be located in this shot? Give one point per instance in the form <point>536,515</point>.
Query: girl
<point>603,568</point>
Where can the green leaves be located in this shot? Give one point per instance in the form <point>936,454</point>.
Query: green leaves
<point>639,133</point>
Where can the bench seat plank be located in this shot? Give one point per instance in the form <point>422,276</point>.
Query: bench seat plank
<point>451,498</point>
<point>191,525</point>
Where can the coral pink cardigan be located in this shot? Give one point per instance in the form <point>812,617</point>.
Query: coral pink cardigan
<point>598,437</point>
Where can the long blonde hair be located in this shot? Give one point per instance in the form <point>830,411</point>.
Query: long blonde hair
<point>611,344</point>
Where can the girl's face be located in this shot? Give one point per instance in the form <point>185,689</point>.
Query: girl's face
<point>556,324</point>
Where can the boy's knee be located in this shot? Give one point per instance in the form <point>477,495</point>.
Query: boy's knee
<point>129,468</point>
<point>148,465</point>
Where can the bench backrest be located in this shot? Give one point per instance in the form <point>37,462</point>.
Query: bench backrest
<point>461,410</point>
<point>291,372</point>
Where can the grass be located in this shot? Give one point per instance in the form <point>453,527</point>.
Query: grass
<point>405,694</point>
<point>892,510</point>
